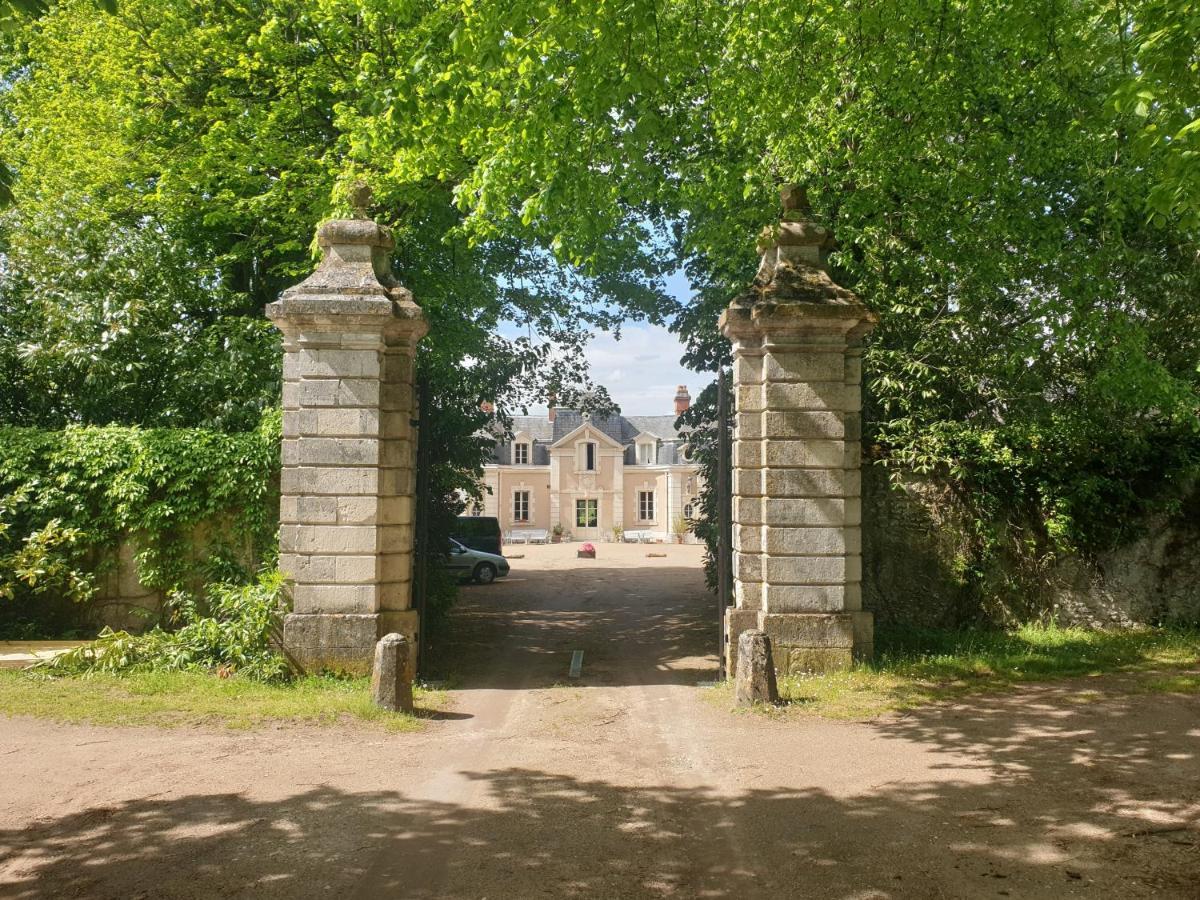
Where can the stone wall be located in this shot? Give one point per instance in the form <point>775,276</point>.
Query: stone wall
<point>915,556</point>
<point>124,603</point>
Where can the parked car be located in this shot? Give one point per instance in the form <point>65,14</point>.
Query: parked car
<point>479,533</point>
<point>480,567</point>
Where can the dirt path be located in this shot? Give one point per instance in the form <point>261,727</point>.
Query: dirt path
<point>629,782</point>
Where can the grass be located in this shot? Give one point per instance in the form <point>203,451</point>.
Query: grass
<point>193,698</point>
<point>915,667</point>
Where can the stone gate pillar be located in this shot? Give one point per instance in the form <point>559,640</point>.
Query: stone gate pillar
<point>797,509</point>
<point>345,540</point>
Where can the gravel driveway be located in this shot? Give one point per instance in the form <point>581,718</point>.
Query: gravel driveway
<point>629,782</point>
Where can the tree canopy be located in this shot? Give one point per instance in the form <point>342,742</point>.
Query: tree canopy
<point>1014,187</point>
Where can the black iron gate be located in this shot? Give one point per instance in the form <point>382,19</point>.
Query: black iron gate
<point>724,515</point>
<point>420,571</point>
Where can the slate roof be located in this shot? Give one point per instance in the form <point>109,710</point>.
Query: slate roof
<point>622,429</point>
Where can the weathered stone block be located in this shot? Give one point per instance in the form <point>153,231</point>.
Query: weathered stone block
<point>336,363</point>
<point>748,426</point>
<point>331,643</point>
<point>357,392</point>
<point>747,566</point>
<point>395,511</point>
<point>392,674</point>
<point>323,451</point>
<point>395,567</point>
<point>748,369</point>
<point>815,424</point>
<point>747,482</point>
<point>748,538</point>
<point>747,455</point>
<point>749,398</point>
<point>803,598</point>
<point>335,598</point>
<point>328,538</point>
<point>813,395</point>
<point>823,570</point>
<point>345,422</point>
<point>781,483</point>
<point>828,511</point>
<point>755,681</point>
<point>747,510</point>
<point>834,630</point>
<point>804,366</point>
<point>748,595</point>
<point>812,541</point>
<point>329,480</point>
<point>356,510</point>
<point>809,453</point>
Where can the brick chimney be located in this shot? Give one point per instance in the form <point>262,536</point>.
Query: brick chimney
<point>682,400</point>
<point>550,402</point>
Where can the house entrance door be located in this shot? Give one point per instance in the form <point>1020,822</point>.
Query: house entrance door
<point>587,518</point>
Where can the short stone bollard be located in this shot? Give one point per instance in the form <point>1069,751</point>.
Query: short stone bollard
<point>755,680</point>
<point>392,675</point>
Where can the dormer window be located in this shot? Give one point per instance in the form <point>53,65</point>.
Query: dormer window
<point>647,452</point>
<point>521,453</point>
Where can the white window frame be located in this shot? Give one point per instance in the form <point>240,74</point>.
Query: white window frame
<point>646,506</point>
<point>528,504</point>
<point>646,455</point>
<point>583,456</point>
<point>591,515</point>
<point>522,448</point>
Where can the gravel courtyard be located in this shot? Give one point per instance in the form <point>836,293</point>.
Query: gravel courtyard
<point>631,781</point>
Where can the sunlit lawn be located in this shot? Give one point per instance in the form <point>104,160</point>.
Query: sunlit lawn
<point>916,667</point>
<point>195,698</point>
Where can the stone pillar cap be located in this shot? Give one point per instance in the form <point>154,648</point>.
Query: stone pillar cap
<point>793,282</point>
<point>353,284</point>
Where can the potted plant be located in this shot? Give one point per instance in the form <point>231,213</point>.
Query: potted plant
<point>681,526</point>
<point>618,533</point>
<point>587,551</point>
<point>556,533</point>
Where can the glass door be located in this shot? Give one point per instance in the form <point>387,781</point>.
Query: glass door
<point>587,519</point>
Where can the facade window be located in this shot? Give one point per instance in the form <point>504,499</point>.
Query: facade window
<point>589,457</point>
<point>645,454</point>
<point>586,513</point>
<point>521,454</point>
<point>520,506</point>
<point>646,506</point>
<point>687,511</point>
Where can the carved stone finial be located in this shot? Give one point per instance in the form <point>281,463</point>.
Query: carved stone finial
<point>794,199</point>
<point>360,199</point>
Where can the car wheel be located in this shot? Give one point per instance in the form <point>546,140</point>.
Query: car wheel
<point>485,573</point>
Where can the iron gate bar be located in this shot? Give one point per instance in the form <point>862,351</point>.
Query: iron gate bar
<point>724,517</point>
<point>421,517</point>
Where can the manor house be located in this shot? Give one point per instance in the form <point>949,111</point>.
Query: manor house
<point>593,475</point>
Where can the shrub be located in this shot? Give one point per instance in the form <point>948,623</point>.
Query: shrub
<point>235,631</point>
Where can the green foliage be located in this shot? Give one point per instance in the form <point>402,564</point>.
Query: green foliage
<point>68,497</point>
<point>917,667</point>
<point>234,631</point>
<point>1013,187</point>
<point>189,698</point>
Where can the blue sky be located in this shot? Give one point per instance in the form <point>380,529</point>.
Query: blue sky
<point>641,370</point>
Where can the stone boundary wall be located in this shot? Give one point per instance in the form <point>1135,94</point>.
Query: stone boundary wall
<point>914,553</point>
<point>124,603</point>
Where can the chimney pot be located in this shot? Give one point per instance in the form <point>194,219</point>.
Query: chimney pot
<point>683,400</point>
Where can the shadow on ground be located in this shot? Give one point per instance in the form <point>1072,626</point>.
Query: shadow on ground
<point>1071,800</point>
<point>635,626</point>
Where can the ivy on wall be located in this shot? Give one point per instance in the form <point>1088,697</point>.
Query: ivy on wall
<point>69,497</point>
